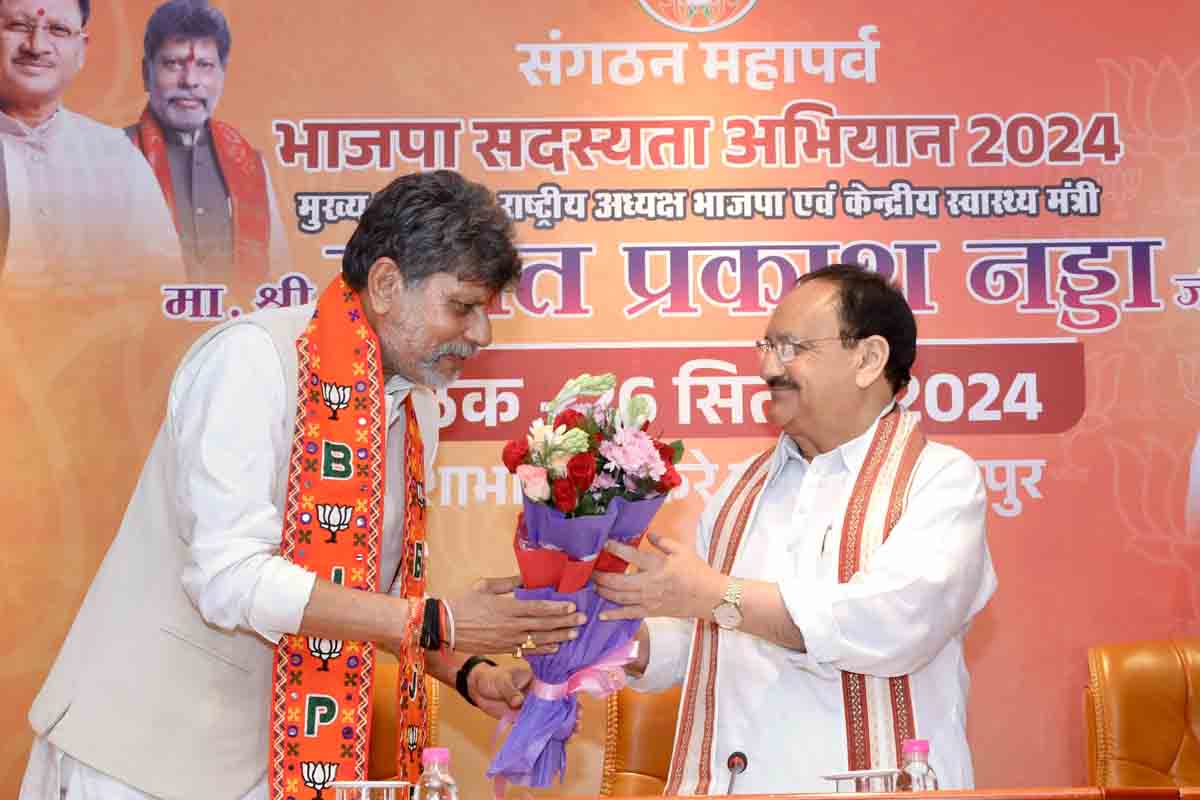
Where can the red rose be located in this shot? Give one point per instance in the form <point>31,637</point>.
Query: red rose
<point>665,452</point>
<point>514,454</point>
<point>581,469</point>
<point>571,418</point>
<point>564,495</point>
<point>669,480</point>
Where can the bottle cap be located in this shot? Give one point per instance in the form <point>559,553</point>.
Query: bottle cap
<point>915,746</point>
<point>435,755</point>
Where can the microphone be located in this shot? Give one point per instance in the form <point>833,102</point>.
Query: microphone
<point>736,763</point>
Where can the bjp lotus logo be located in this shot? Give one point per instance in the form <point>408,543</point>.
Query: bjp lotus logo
<point>324,649</point>
<point>318,774</point>
<point>336,397</point>
<point>334,518</point>
<point>697,16</point>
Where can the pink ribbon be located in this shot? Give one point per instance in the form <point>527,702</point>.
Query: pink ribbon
<point>599,680</point>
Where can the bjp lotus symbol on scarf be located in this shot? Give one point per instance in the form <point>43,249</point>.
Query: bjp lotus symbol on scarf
<point>318,774</point>
<point>336,397</point>
<point>324,649</point>
<point>333,519</point>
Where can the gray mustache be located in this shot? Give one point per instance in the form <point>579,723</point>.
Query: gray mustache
<point>460,349</point>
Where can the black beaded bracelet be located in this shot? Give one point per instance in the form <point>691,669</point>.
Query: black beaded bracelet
<point>460,680</point>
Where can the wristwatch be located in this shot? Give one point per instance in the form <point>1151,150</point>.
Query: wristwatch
<point>728,612</point>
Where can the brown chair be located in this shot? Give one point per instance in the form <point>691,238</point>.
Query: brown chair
<point>384,734</point>
<point>639,734</point>
<point>1142,712</point>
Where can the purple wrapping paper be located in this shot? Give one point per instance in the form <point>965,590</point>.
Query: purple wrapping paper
<point>582,537</point>
<point>535,751</point>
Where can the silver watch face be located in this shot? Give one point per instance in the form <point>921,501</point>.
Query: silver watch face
<point>727,615</point>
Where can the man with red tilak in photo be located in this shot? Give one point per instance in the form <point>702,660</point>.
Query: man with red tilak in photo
<point>222,202</point>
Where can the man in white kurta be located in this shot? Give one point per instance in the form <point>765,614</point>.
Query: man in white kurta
<point>81,205</point>
<point>228,420</point>
<point>779,691</point>
<point>163,685</point>
<point>84,208</point>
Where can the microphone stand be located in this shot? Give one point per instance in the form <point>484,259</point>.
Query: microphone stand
<point>736,763</point>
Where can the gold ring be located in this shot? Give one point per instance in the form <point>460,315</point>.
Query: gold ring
<point>529,644</point>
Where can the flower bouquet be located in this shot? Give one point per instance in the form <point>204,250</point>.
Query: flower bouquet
<point>589,472</point>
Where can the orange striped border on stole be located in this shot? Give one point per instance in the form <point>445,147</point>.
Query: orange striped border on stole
<point>694,730</point>
<point>878,711</point>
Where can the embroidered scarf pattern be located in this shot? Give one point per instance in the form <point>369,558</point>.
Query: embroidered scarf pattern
<point>333,526</point>
<point>245,179</point>
<point>878,711</point>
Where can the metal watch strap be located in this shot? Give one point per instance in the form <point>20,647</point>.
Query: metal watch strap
<point>733,593</point>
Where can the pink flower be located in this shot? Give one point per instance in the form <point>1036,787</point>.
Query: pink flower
<point>603,481</point>
<point>634,452</point>
<point>533,481</point>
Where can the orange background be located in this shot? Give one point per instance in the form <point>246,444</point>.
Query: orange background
<point>1103,556</point>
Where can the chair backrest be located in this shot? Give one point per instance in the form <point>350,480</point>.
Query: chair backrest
<point>639,735</point>
<point>385,736</point>
<point>1142,713</point>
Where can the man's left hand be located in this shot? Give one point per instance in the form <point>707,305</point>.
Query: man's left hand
<point>498,690</point>
<point>671,581</point>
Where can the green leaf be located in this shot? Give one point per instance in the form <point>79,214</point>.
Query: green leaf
<point>677,448</point>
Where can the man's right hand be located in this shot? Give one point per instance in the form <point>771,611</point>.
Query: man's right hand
<point>488,619</point>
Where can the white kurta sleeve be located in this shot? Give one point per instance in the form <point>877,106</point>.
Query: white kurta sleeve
<point>670,639</point>
<point>922,586</point>
<point>225,415</point>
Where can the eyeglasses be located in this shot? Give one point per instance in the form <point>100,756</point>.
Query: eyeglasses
<point>786,350</point>
<point>24,28</point>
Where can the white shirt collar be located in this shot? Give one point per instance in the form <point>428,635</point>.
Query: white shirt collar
<point>14,127</point>
<point>397,384</point>
<point>847,456</point>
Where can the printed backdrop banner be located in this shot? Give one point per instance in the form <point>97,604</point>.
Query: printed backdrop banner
<point>1028,174</point>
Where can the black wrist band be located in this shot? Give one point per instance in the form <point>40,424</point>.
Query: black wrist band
<point>431,625</point>
<point>460,680</point>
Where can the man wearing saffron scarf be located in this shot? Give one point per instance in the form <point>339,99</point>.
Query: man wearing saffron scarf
<point>215,182</point>
<point>226,647</point>
<point>820,619</point>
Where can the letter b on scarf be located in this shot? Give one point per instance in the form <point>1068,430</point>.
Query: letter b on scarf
<point>336,461</point>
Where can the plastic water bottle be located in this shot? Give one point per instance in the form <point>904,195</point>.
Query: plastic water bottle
<point>916,775</point>
<point>436,783</point>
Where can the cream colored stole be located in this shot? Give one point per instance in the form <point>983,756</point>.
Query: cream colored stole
<point>878,710</point>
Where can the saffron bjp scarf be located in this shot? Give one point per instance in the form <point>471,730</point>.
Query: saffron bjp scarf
<point>878,711</point>
<point>333,526</point>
